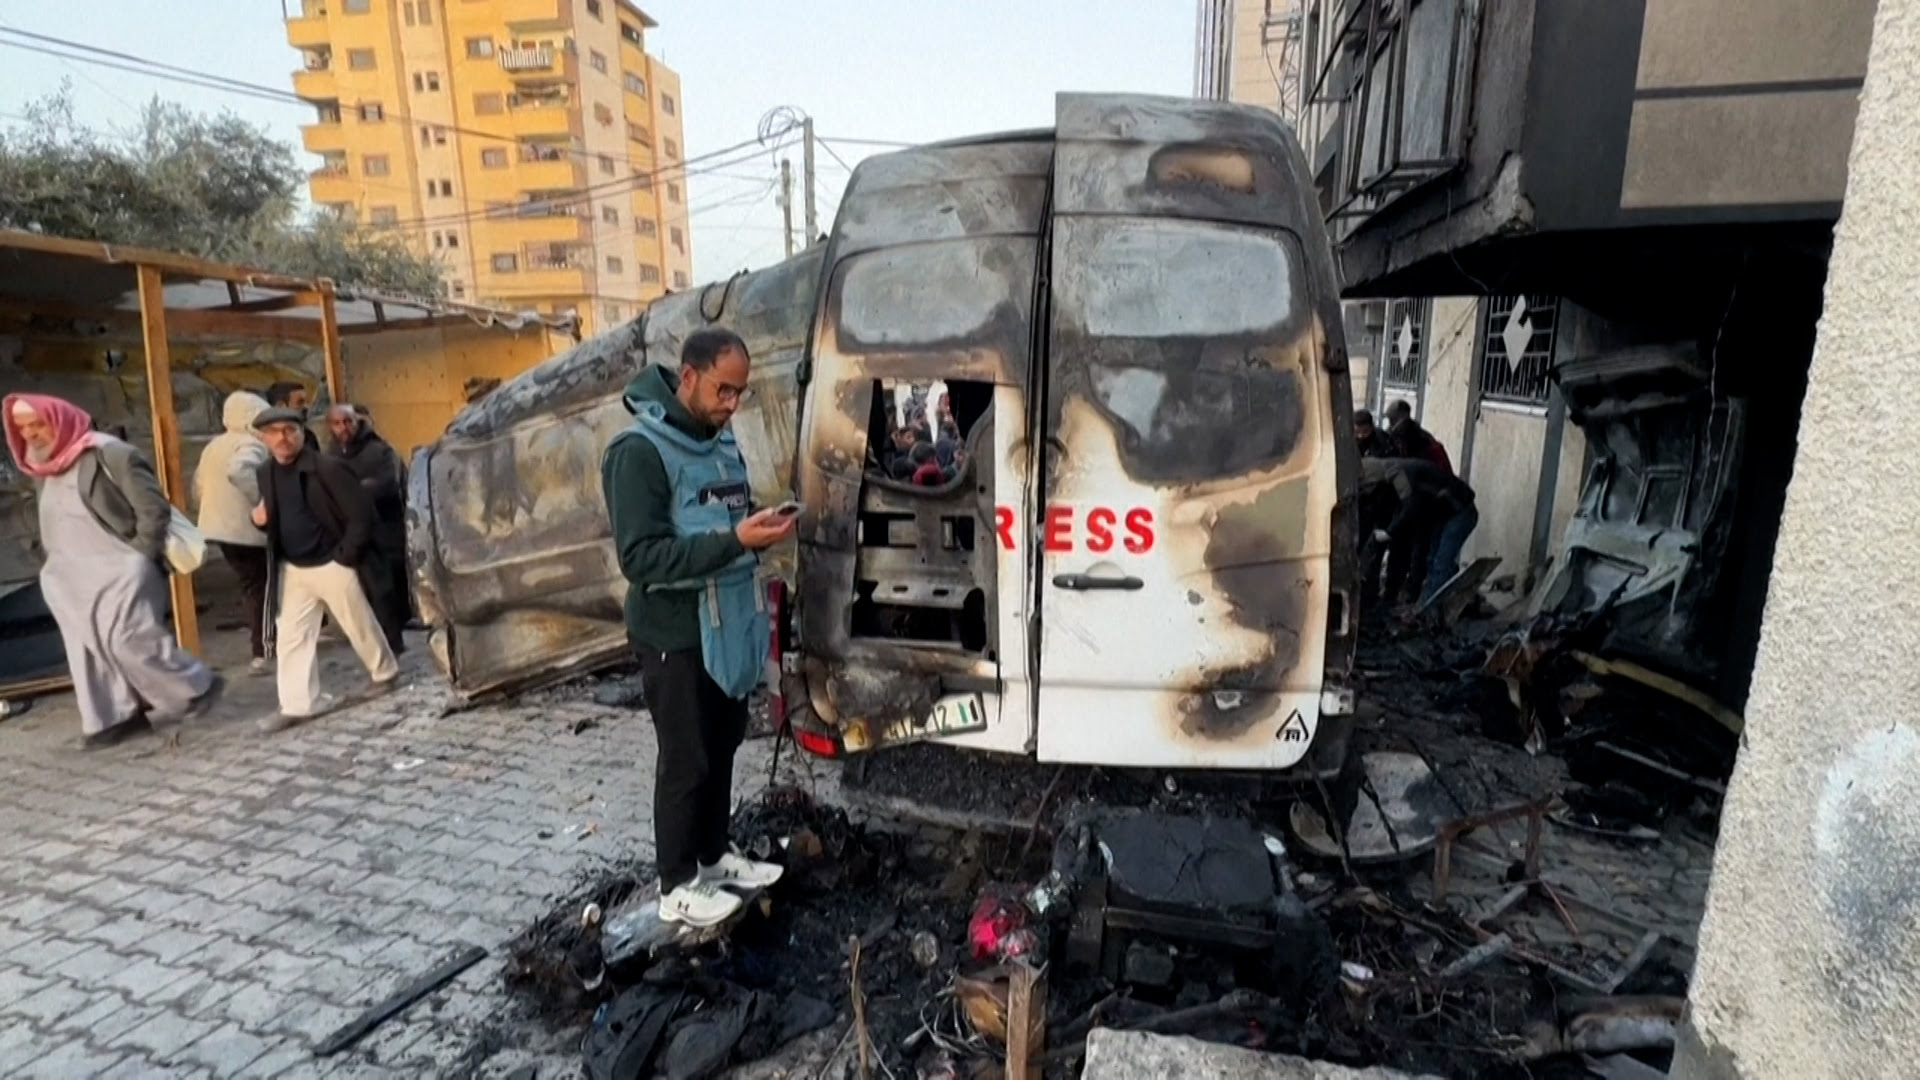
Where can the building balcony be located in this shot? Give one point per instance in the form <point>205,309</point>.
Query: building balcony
<point>324,138</point>
<point>549,175</point>
<point>526,284</point>
<point>308,31</point>
<point>519,226</point>
<point>537,120</point>
<point>316,85</point>
<point>333,184</point>
<point>517,61</point>
<point>533,14</point>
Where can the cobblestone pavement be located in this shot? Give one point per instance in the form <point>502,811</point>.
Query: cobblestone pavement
<point>218,909</point>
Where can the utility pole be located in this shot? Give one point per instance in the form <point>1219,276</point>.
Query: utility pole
<point>806,167</point>
<point>786,204</point>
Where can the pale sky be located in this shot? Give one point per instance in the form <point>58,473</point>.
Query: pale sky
<point>909,71</point>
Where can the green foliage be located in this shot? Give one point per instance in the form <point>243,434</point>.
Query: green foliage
<point>217,187</point>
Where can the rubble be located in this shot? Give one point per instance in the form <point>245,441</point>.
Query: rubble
<point>1133,1055</point>
<point>1541,904</point>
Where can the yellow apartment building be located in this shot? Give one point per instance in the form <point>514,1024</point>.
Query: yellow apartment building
<point>532,146</point>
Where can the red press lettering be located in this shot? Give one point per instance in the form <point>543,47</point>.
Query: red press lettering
<point>1059,531</point>
<point>1003,524</point>
<point>1140,530</point>
<point>1100,522</point>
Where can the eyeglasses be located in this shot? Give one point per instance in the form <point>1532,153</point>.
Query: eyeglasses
<point>732,395</point>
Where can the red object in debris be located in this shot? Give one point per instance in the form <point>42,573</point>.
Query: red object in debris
<point>998,929</point>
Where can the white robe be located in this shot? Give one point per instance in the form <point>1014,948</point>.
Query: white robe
<point>108,599</point>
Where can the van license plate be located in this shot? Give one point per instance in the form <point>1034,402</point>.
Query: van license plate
<point>957,714</point>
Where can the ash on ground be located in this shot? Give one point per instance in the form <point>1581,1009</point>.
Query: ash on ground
<point>1507,963</point>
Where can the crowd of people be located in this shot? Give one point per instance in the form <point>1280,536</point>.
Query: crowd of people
<point>925,451</point>
<point>1416,515</point>
<point>308,533</point>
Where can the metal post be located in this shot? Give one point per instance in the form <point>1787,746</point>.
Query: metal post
<point>330,347</point>
<point>786,204</point>
<point>166,439</point>
<point>806,169</point>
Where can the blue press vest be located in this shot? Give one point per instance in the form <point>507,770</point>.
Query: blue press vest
<point>709,480</point>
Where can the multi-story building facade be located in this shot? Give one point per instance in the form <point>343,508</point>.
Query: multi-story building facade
<point>1586,241</point>
<point>533,147</point>
<point>1249,51</point>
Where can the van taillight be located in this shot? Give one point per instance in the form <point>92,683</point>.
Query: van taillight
<point>815,743</point>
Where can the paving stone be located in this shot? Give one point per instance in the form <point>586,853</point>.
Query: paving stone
<point>74,1058</point>
<point>225,1051</point>
<point>48,1005</point>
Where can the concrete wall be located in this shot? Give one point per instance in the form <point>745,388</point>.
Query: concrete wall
<point>1811,944</point>
<point>413,380</point>
<point>1450,341</point>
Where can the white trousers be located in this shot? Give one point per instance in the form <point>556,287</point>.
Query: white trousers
<point>306,594</point>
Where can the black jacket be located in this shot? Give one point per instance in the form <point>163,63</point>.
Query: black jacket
<point>334,495</point>
<point>383,476</point>
<point>1428,495</point>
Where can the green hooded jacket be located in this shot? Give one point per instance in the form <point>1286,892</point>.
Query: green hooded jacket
<point>640,509</point>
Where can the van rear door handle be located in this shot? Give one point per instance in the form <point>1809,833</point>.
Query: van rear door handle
<point>1085,582</point>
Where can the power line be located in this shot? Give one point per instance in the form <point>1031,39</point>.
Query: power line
<point>210,81</point>
<point>828,147</point>
<point>869,142</point>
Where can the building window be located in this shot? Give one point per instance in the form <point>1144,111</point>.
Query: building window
<point>493,157</point>
<point>639,133</point>
<point>666,104</point>
<point>645,227</point>
<point>672,148</point>
<point>407,10</point>
<point>1405,370</point>
<point>489,104</point>
<point>374,165</point>
<point>615,265</point>
<point>371,112</point>
<point>673,191</point>
<point>426,135</point>
<point>453,239</point>
<point>644,181</point>
<point>677,238</point>
<point>606,164</point>
<point>635,84</point>
<point>439,136</point>
<point>598,61</point>
<point>603,114</point>
<point>383,215</point>
<point>437,242</point>
<point>506,263</point>
<point>631,34</point>
<point>426,12</point>
<point>611,312</point>
<point>1516,348</point>
<point>679,279</point>
<point>593,8</point>
<point>649,274</point>
<point>479,48</point>
<point>610,215</point>
<point>425,82</point>
<point>356,7</point>
<point>442,188</point>
<point>360,59</point>
<point>459,290</point>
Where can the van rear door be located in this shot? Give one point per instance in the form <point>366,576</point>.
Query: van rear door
<point>913,617</point>
<point>1191,478</point>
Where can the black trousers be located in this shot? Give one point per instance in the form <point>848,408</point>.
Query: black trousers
<point>698,729</point>
<point>250,566</point>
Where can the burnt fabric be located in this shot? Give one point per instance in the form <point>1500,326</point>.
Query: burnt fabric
<point>698,728</point>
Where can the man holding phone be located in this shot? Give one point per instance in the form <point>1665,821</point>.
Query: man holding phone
<point>678,500</point>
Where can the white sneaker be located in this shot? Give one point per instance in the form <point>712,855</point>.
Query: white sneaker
<point>698,904</point>
<point>732,871</point>
<point>260,666</point>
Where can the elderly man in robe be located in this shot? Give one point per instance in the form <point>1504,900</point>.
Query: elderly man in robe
<point>103,524</point>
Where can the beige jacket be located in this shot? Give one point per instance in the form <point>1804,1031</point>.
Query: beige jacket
<point>225,487</point>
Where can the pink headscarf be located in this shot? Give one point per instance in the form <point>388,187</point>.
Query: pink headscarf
<point>72,432</point>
